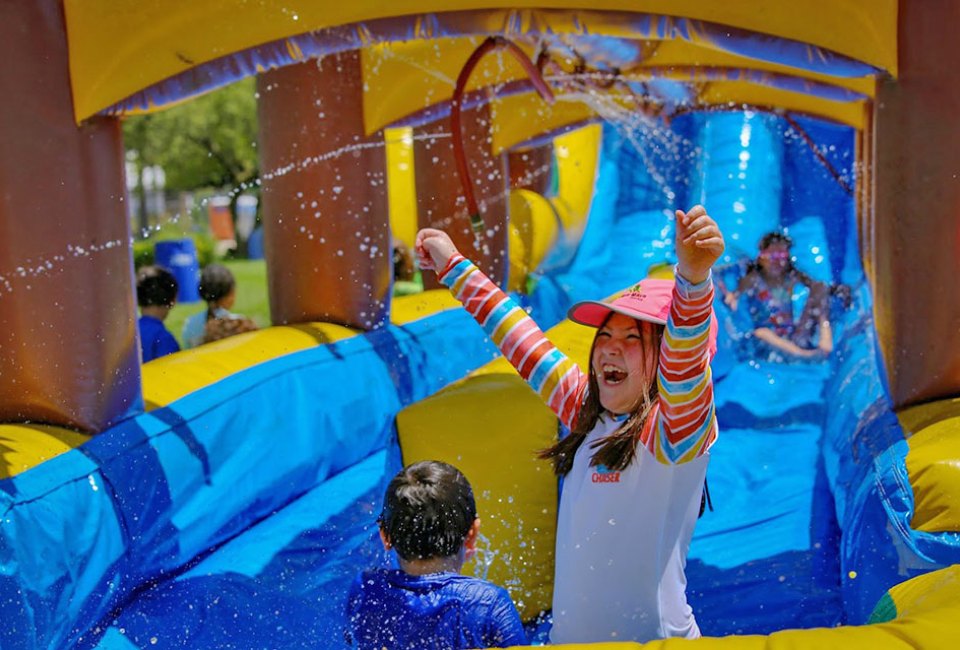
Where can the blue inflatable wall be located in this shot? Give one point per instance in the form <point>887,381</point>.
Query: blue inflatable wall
<point>231,518</point>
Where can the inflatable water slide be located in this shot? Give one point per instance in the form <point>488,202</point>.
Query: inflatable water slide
<point>224,497</point>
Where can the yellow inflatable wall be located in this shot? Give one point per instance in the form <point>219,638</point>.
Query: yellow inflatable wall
<point>934,440</point>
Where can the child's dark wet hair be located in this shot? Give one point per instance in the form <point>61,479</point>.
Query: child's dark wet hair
<point>216,282</point>
<point>775,237</point>
<point>428,510</point>
<point>156,287</point>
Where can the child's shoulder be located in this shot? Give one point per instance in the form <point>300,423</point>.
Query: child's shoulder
<point>370,585</point>
<point>371,577</point>
<point>477,590</point>
<point>457,583</point>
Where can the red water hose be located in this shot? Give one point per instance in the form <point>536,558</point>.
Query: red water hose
<point>490,44</point>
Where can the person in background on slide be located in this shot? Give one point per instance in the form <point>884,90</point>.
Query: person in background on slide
<point>768,287</point>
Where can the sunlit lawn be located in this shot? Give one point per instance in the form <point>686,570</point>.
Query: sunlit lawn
<point>252,302</point>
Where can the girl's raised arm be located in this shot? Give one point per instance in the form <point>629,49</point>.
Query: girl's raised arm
<point>557,379</point>
<point>687,425</point>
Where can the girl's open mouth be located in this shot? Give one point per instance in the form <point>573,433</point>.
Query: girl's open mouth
<point>612,374</point>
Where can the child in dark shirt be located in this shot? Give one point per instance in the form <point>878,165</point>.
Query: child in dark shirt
<point>429,518</point>
<point>156,296</point>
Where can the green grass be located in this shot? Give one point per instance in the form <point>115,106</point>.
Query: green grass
<point>252,300</point>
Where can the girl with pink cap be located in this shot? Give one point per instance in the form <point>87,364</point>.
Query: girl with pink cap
<point>641,423</point>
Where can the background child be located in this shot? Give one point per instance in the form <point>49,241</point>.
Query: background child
<point>156,296</point>
<point>768,286</point>
<point>641,422</point>
<point>221,328</point>
<point>218,288</point>
<point>406,278</point>
<point>430,519</point>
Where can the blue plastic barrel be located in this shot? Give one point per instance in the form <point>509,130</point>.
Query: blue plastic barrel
<point>255,245</point>
<point>180,258</point>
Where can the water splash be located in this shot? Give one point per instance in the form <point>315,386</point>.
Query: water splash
<point>485,557</point>
<point>333,154</point>
<point>53,264</point>
<point>642,131</point>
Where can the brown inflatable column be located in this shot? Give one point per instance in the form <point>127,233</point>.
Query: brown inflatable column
<point>325,219</point>
<point>532,169</point>
<point>440,200</point>
<point>914,255</point>
<point>68,346</point>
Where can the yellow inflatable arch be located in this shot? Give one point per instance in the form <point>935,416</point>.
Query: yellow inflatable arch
<point>127,57</point>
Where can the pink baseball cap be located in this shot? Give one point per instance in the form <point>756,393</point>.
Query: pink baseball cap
<point>649,300</point>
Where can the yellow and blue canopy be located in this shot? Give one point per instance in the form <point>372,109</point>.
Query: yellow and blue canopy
<point>819,57</point>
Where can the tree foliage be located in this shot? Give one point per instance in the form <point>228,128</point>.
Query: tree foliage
<point>207,142</point>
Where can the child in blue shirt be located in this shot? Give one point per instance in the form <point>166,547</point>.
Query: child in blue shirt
<point>156,296</point>
<point>430,519</point>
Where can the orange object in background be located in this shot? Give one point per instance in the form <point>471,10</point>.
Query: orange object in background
<point>221,221</point>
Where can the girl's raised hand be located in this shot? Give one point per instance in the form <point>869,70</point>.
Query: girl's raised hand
<point>699,243</point>
<point>434,249</point>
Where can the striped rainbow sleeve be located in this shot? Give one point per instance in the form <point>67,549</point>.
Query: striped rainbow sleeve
<point>554,377</point>
<point>686,425</point>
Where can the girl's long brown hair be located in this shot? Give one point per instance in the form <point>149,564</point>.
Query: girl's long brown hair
<point>618,449</point>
